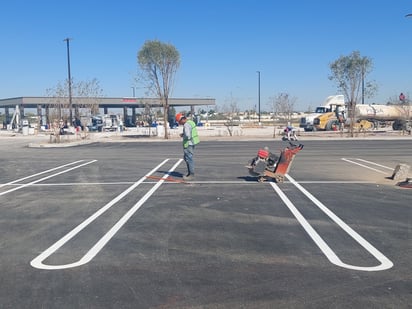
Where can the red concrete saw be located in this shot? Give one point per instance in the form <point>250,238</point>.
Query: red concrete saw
<point>267,165</point>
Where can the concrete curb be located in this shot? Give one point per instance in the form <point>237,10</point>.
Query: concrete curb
<point>246,134</point>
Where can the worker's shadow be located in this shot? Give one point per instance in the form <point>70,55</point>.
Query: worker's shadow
<point>248,178</point>
<point>171,174</point>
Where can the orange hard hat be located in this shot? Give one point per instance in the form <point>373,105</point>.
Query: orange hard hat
<point>179,117</point>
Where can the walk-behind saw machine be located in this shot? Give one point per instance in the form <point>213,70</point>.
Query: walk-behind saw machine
<point>267,165</point>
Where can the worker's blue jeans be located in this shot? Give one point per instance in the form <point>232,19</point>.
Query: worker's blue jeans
<point>188,157</point>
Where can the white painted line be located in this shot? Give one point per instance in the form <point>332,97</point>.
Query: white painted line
<point>373,163</point>
<point>41,173</point>
<point>385,263</point>
<point>82,184</point>
<point>258,183</point>
<point>214,182</point>
<point>337,181</point>
<point>47,177</point>
<point>241,182</point>
<point>371,168</point>
<point>38,261</point>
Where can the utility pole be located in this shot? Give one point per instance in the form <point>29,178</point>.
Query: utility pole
<point>258,96</point>
<point>363,82</point>
<point>70,81</point>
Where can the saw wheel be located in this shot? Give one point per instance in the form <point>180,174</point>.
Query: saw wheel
<point>262,179</point>
<point>279,178</point>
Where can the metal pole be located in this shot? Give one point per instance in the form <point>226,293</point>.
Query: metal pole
<point>363,84</point>
<point>409,104</point>
<point>259,96</point>
<point>70,80</point>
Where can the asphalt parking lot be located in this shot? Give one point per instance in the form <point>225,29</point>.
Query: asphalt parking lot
<point>109,225</point>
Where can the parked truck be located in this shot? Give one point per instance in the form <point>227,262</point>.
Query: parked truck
<point>399,114</point>
<point>328,106</point>
<point>105,122</point>
<point>367,117</point>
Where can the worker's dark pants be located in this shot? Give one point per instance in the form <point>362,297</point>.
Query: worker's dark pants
<point>188,157</point>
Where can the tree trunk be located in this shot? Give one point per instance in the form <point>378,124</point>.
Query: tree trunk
<point>165,118</point>
<point>352,118</point>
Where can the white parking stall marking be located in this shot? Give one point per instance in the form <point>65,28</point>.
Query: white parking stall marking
<point>47,177</point>
<point>38,174</point>
<point>365,166</point>
<point>338,181</point>
<point>376,164</point>
<point>38,261</point>
<point>385,263</point>
<point>82,184</point>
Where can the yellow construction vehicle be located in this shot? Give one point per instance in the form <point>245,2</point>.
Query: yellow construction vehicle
<point>367,117</point>
<point>332,120</point>
<point>306,122</point>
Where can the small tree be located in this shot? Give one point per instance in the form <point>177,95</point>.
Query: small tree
<point>349,73</point>
<point>159,63</point>
<point>87,97</point>
<point>85,100</point>
<point>232,111</point>
<point>283,104</point>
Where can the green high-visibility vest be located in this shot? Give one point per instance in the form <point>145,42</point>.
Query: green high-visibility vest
<point>195,137</point>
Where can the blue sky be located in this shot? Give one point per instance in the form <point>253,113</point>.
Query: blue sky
<point>222,45</point>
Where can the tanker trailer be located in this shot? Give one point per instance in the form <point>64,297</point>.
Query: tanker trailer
<point>399,114</point>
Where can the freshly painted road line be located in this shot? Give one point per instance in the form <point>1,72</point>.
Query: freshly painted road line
<point>47,177</point>
<point>385,263</point>
<point>240,182</point>
<point>82,184</point>
<point>38,261</point>
<point>365,166</point>
<point>41,173</point>
<point>376,164</point>
<point>337,181</point>
<point>97,247</point>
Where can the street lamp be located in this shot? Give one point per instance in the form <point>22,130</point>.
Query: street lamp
<point>363,83</point>
<point>409,104</point>
<point>258,95</point>
<point>70,80</point>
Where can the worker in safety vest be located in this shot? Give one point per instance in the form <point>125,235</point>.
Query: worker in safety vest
<point>190,139</point>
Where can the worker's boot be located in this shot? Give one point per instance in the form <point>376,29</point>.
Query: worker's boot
<point>189,177</point>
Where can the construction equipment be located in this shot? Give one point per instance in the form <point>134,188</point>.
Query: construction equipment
<point>330,121</point>
<point>328,106</point>
<point>367,117</point>
<point>400,114</point>
<point>289,134</point>
<point>267,165</point>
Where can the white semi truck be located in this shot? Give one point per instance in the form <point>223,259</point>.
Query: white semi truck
<point>328,106</point>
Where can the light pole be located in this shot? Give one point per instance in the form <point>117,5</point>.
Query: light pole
<point>258,96</point>
<point>70,80</point>
<point>409,104</point>
<point>363,84</point>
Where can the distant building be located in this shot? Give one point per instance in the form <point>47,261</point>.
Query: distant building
<point>42,104</point>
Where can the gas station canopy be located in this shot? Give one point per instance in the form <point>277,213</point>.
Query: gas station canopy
<point>103,102</point>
